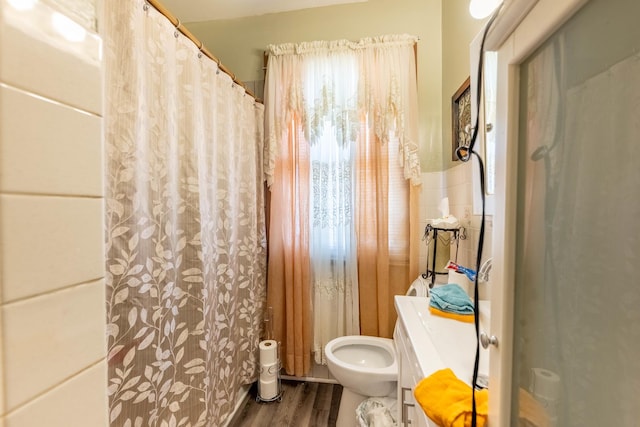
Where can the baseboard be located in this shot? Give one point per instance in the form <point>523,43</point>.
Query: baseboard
<point>309,379</point>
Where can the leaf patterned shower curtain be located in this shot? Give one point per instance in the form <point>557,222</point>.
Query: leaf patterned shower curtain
<point>186,242</point>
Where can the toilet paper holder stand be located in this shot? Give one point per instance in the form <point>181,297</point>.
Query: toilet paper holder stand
<point>277,366</point>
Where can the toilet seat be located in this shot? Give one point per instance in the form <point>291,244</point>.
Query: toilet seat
<point>379,353</point>
<point>366,365</point>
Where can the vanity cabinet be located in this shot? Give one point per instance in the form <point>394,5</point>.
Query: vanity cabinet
<point>425,344</point>
<point>409,411</point>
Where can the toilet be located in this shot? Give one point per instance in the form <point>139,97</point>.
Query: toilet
<point>365,366</point>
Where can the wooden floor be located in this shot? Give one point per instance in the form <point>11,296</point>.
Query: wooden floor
<point>304,404</point>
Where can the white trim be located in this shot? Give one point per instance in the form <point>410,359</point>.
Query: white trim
<point>512,13</point>
<point>540,24</point>
<point>500,360</point>
<point>310,379</point>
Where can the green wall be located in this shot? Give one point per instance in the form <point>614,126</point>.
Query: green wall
<point>240,44</point>
<point>458,30</point>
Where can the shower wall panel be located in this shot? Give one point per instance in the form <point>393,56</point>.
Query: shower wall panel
<point>52,346</point>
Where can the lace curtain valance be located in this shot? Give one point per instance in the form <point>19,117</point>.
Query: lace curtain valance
<point>384,91</point>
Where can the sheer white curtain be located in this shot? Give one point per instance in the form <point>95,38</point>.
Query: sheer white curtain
<point>329,87</point>
<point>185,229</point>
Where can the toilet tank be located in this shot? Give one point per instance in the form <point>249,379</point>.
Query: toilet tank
<point>419,287</point>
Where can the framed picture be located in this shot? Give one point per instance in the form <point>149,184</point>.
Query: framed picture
<point>461,118</point>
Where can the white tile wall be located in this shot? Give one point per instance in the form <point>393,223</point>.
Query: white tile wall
<point>455,184</point>
<point>54,408</point>
<point>49,243</point>
<point>59,146</point>
<point>2,393</point>
<point>37,58</point>
<point>82,11</point>
<point>47,339</point>
<point>52,336</point>
<point>430,197</point>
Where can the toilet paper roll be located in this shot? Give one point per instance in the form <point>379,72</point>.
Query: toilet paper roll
<point>545,385</point>
<point>269,372</point>
<point>268,352</point>
<point>268,389</point>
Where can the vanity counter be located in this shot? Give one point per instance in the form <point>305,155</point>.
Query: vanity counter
<point>428,343</point>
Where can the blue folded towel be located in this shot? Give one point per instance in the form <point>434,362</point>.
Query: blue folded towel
<point>451,298</point>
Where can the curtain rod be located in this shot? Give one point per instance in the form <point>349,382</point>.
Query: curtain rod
<point>178,25</point>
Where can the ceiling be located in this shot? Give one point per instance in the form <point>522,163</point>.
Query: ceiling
<point>210,10</point>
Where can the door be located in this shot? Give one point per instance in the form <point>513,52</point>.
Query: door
<point>566,297</point>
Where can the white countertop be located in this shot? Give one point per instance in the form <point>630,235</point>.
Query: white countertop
<point>439,342</point>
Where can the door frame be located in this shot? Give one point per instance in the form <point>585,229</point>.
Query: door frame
<point>515,37</point>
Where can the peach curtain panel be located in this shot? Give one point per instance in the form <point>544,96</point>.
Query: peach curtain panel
<point>388,236</point>
<point>288,269</point>
<point>348,94</point>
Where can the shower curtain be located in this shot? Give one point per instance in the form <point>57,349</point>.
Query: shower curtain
<point>576,290</point>
<point>185,228</point>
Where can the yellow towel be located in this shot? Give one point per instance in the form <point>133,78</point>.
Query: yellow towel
<point>447,400</point>
<point>468,318</point>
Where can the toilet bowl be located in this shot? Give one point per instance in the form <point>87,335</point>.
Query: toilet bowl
<point>365,365</point>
